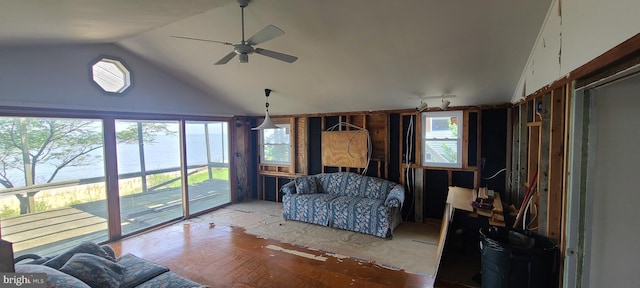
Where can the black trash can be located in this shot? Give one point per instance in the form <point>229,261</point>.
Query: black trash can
<point>517,258</point>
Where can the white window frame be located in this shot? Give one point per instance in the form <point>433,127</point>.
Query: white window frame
<point>111,75</point>
<point>429,116</point>
<point>287,145</point>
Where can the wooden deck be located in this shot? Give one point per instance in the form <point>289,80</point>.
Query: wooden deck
<point>50,232</point>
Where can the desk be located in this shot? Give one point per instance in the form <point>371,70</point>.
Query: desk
<point>460,199</point>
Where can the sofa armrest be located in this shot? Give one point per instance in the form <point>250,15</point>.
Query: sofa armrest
<point>395,197</point>
<point>289,188</point>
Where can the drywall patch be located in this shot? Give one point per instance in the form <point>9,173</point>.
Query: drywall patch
<point>297,253</point>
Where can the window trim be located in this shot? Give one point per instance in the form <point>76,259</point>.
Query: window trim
<point>121,66</point>
<point>459,139</point>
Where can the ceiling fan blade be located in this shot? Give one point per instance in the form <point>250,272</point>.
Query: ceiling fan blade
<point>266,34</point>
<point>204,40</point>
<point>226,58</point>
<point>276,55</point>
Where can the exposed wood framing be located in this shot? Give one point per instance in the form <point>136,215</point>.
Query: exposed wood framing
<point>556,165</point>
<point>565,177</point>
<point>477,171</point>
<point>399,111</point>
<point>617,59</point>
<point>522,174</point>
<point>514,178</point>
<point>533,166</point>
<point>240,153</point>
<point>465,140</point>
<point>509,156</point>
<point>543,173</point>
<point>301,141</point>
<point>378,125</point>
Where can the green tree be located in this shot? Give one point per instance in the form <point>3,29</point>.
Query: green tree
<point>28,143</point>
<point>447,152</point>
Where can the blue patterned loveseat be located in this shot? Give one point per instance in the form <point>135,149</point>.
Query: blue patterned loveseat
<point>345,200</point>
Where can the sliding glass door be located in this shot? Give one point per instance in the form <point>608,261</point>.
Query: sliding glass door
<point>149,173</point>
<point>52,193</point>
<point>208,164</point>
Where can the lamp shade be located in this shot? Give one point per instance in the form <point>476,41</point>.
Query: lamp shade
<point>266,124</point>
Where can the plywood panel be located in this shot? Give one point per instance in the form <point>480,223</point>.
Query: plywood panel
<point>344,149</point>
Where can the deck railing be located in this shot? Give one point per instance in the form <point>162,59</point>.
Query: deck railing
<point>48,232</point>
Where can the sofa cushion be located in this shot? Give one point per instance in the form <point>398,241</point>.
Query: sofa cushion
<point>169,280</point>
<point>363,215</point>
<point>367,187</point>
<point>311,208</point>
<point>55,278</point>
<point>306,185</point>
<point>354,185</point>
<point>94,270</point>
<point>84,247</point>
<point>331,183</point>
<point>107,249</point>
<point>138,270</point>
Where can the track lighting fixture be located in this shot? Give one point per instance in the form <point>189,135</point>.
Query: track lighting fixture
<point>445,104</point>
<point>422,106</point>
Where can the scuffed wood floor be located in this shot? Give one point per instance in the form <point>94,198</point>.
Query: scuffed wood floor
<point>222,256</point>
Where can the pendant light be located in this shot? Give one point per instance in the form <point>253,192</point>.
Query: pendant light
<point>267,123</point>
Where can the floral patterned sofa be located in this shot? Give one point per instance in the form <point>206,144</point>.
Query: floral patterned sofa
<point>91,265</point>
<point>345,200</point>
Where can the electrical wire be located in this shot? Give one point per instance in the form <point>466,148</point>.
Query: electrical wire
<point>409,152</point>
<point>526,225</point>
<point>534,218</point>
<point>494,175</point>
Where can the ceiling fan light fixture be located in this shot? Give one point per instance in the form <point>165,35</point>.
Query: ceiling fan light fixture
<point>267,123</point>
<point>246,46</point>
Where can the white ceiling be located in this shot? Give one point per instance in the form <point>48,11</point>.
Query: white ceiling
<point>354,55</point>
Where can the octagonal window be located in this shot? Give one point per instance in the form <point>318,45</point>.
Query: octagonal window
<point>111,75</point>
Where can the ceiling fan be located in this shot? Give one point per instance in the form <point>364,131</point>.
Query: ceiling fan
<point>246,47</point>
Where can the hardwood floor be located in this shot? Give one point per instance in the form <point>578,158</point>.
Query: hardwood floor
<point>221,256</point>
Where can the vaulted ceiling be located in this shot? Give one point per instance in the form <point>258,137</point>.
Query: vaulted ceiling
<point>354,55</point>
